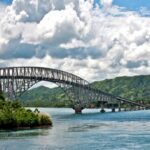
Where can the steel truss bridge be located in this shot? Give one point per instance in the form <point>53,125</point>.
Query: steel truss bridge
<point>14,81</point>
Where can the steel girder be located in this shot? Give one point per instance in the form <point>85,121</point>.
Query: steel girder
<point>16,80</point>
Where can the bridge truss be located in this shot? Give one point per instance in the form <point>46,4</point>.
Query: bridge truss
<point>14,81</point>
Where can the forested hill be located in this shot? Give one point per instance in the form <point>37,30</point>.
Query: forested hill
<point>133,88</point>
<point>44,97</point>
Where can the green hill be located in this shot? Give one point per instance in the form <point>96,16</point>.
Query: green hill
<point>43,93</point>
<point>134,88</point>
<point>43,96</point>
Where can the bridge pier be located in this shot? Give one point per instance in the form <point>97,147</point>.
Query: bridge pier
<point>113,109</point>
<point>102,108</point>
<point>78,109</point>
<point>119,106</point>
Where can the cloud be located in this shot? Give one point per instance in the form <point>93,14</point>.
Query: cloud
<point>2,9</point>
<point>43,24</point>
<point>106,3</point>
<point>53,28</point>
<point>72,35</point>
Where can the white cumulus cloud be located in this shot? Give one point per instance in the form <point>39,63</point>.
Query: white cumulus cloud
<point>106,3</point>
<point>74,36</point>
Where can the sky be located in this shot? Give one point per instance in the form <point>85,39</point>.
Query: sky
<point>129,4</point>
<point>93,39</point>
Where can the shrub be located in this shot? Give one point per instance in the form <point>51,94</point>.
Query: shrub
<point>44,120</point>
<point>12,115</point>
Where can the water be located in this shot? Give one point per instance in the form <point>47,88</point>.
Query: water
<point>89,131</point>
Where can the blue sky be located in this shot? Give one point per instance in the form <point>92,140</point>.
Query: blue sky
<point>128,4</point>
<point>132,5</point>
<point>6,1</point>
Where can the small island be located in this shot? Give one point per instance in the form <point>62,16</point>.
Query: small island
<point>14,116</point>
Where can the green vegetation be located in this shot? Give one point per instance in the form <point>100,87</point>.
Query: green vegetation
<point>45,97</point>
<point>135,88</point>
<point>13,115</point>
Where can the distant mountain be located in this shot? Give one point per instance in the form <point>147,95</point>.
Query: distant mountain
<point>44,97</point>
<point>43,93</point>
<point>133,88</point>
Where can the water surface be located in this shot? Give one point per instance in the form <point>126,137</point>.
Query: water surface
<point>90,131</point>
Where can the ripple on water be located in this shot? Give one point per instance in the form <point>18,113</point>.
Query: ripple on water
<point>89,131</point>
<point>23,133</point>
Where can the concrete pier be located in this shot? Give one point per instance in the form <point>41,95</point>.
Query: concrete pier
<point>78,109</point>
<point>102,108</point>
<point>113,109</point>
<point>119,106</point>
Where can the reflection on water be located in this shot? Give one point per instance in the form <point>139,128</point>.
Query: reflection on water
<point>23,133</point>
<point>89,131</point>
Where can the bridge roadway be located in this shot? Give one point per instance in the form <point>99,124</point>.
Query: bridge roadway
<point>14,81</point>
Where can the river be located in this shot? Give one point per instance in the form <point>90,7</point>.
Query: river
<point>90,131</point>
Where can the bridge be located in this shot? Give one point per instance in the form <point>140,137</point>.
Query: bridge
<point>14,81</point>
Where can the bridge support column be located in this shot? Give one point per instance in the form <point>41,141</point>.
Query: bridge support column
<point>78,109</point>
<point>113,109</point>
<point>102,108</point>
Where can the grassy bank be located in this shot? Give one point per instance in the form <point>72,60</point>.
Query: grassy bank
<point>14,116</point>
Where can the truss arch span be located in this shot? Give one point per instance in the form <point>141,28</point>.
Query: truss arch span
<point>16,80</point>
